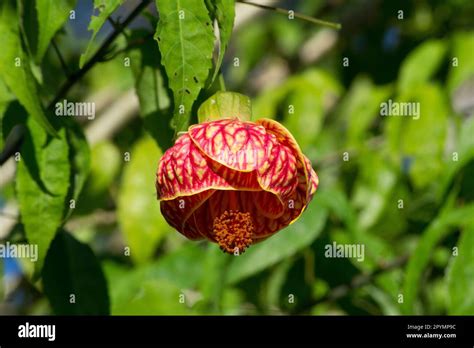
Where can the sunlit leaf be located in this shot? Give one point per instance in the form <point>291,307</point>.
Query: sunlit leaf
<point>372,188</point>
<point>252,42</point>
<point>150,297</point>
<point>155,288</point>
<point>186,41</point>
<point>460,276</point>
<point>51,17</point>
<point>152,93</point>
<point>42,184</point>
<point>420,65</point>
<point>461,65</point>
<point>15,69</point>
<point>105,8</point>
<point>418,141</point>
<point>138,209</point>
<point>464,154</point>
<point>312,95</point>
<point>5,98</point>
<point>420,258</point>
<point>80,161</point>
<point>213,281</point>
<point>360,108</point>
<point>101,176</point>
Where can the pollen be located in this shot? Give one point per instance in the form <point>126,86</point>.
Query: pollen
<point>233,231</point>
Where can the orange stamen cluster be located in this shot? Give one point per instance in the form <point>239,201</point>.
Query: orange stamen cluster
<point>233,231</point>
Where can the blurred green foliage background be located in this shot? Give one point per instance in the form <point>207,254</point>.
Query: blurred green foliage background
<point>401,187</point>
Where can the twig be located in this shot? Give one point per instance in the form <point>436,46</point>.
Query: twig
<point>98,55</point>
<point>357,282</point>
<point>296,14</point>
<point>76,76</point>
<point>115,24</point>
<point>222,82</point>
<point>132,44</point>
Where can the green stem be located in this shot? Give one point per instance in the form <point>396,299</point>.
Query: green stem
<point>332,25</point>
<point>73,78</point>
<point>222,82</point>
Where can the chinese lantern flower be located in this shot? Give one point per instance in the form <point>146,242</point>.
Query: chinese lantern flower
<point>234,182</point>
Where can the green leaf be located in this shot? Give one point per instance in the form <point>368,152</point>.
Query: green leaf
<point>423,149</point>
<point>186,42</point>
<point>212,283</point>
<point>71,268</point>
<point>280,246</point>
<point>79,155</point>
<point>373,188</point>
<point>5,98</point>
<point>101,176</point>
<point>254,44</point>
<point>150,297</point>
<point>266,104</point>
<point>465,152</point>
<point>460,276</point>
<point>463,51</point>
<point>152,92</point>
<point>184,267</point>
<point>304,100</point>
<point>225,14</point>
<point>155,288</point>
<point>13,126</point>
<point>225,105</point>
<point>106,8</point>
<point>138,209</point>
<point>420,258</point>
<point>42,183</point>
<point>421,64</point>
<point>360,108</point>
<point>51,17</point>
<point>288,35</point>
<point>15,68</point>
<point>311,96</point>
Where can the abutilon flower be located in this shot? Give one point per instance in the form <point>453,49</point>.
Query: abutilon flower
<point>234,182</point>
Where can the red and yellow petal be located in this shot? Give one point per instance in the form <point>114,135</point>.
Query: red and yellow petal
<point>279,174</point>
<point>190,228</point>
<point>242,146</point>
<point>293,208</point>
<point>246,181</point>
<point>233,166</point>
<point>312,178</point>
<point>267,204</point>
<point>283,136</point>
<point>177,211</point>
<point>304,174</point>
<point>184,171</point>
